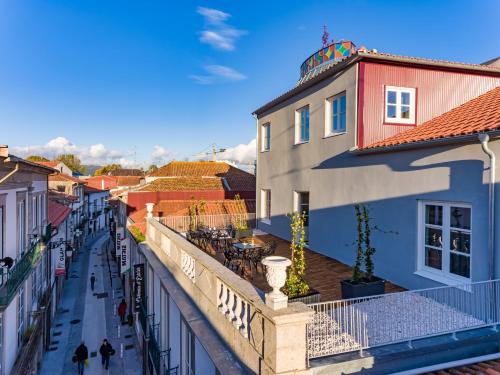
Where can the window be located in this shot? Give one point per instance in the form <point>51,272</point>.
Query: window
<point>302,125</point>
<point>399,105</point>
<point>266,137</point>
<point>266,205</point>
<point>336,115</point>
<point>446,238</point>
<point>34,211</point>
<point>188,350</point>
<point>302,205</point>
<point>21,225</point>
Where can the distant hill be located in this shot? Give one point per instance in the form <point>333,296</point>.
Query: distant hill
<point>92,168</point>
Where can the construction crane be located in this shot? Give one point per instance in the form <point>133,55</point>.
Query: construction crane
<point>214,152</point>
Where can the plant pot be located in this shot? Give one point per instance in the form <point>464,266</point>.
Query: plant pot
<point>242,233</point>
<point>313,296</point>
<point>363,288</point>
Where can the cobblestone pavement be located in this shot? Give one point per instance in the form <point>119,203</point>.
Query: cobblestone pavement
<point>91,316</point>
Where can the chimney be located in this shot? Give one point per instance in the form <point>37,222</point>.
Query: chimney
<point>4,151</point>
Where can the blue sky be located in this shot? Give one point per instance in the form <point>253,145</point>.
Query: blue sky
<point>111,78</point>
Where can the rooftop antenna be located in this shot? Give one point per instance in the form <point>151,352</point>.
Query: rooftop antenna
<point>325,36</point>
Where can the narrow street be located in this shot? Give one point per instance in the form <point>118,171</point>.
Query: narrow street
<point>91,316</point>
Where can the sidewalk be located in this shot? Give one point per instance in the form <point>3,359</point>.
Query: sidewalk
<point>88,314</point>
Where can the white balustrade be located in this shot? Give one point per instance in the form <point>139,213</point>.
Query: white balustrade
<point>188,265</point>
<point>233,307</point>
<point>165,245</point>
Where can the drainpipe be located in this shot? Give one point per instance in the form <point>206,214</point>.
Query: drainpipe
<point>8,175</point>
<point>484,138</point>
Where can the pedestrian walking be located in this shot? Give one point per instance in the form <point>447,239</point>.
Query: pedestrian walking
<point>122,310</point>
<point>106,351</point>
<point>80,357</point>
<point>92,281</point>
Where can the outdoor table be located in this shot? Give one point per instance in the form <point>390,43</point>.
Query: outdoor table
<point>246,246</point>
<point>246,249</point>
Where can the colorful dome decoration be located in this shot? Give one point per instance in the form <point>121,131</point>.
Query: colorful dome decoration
<point>332,52</point>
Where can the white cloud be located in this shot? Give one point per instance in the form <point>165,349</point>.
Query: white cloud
<point>242,153</point>
<point>213,16</point>
<point>218,73</point>
<point>217,32</point>
<point>94,154</point>
<point>159,155</point>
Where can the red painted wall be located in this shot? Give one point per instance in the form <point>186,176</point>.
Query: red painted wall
<point>137,199</point>
<point>437,92</point>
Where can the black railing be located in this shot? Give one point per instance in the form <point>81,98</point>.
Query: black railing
<point>11,279</point>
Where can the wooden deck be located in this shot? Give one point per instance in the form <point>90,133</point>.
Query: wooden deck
<point>322,273</point>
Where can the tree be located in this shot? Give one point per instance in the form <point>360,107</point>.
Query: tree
<point>106,169</point>
<point>73,163</point>
<point>152,168</point>
<point>295,284</point>
<point>36,158</point>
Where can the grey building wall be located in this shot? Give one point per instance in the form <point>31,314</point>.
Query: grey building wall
<point>391,183</point>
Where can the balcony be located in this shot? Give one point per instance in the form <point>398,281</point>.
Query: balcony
<point>335,328</point>
<point>11,280</point>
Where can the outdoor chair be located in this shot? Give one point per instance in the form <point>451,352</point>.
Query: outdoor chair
<point>268,249</point>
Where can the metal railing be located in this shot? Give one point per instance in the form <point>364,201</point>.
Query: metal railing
<point>11,279</point>
<point>362,323</point>
<point>182,224</point>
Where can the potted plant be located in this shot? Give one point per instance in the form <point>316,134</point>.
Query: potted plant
<point>363,284</point>
<point>296,287</point>
<point>241,228</point>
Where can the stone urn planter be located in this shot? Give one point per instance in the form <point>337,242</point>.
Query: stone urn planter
<point>363,288</point>
<point>276,277</point>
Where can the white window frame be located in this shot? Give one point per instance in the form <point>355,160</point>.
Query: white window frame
<point>329,131</point>
<point>34,211</point>
<point>21,222</point>
<point>298,125</point>
<point>265,205</point>
<point>188,350</point>
<point>296,206</point>
<point>398,119</point>
<point>444,275</point>
<point>265,134</point>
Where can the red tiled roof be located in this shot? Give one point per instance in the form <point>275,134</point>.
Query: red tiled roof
<point>57,212</point>
<point>184,184</point>
<point>124,172</point>
<point>89,190</point>
<point>181,208</point>
<point>51,164</point>
<point>487,368</point>
<point>192,169</point>
<point>62,195</point>
<point>64,177</point>
<point>237,179</point>
<point>128,180</point>
<point>479,115</point>
<point>96,182</point>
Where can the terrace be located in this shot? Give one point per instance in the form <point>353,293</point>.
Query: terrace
<point>331,328</point>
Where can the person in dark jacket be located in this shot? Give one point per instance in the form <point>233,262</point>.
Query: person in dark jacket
<point>106,351</point>
<point>122,310</point>
<point>81,355</point>
<point>92,281</point>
